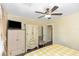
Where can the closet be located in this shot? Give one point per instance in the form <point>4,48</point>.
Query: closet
<point>16,42</point>
<point>31,36</point>
<point>20,40</point>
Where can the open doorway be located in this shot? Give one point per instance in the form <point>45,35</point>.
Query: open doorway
<point>46,37</point>
<point>50,34</point>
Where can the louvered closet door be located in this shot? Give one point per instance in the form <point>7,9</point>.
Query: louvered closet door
<point>12,43</point>
<point>45,39</point>
<point>35,36</point>
<point>28,36</point>
<point>21,41</point>
<point>32,40</point>
<point>31,37</point>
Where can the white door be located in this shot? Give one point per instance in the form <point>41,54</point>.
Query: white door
<point>21,41</point>
<point>36,36</point>
<point>31,37</point>
<point>16,42</point>
<point>12,43</point>
<point>45,39</point>
<point>28,36</point>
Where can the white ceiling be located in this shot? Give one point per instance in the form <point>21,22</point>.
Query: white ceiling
<point>28,9</point>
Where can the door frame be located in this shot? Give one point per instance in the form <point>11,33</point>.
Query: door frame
<point>51,33</point>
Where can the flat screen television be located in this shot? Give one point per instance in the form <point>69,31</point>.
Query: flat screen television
<point>14,24</point>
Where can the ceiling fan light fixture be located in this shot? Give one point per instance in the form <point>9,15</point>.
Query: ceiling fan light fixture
<point>47,16</point>
<point>49,12</point>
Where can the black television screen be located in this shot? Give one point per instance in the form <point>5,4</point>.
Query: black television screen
<point>14,24</point>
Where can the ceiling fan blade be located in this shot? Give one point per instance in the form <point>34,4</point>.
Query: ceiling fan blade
<point>39,12</point>
<point>41,16</point>
<point>47,10</point>
<point>54,8</point>
<point>57,14</point>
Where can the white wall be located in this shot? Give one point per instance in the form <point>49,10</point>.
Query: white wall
<point>1,42</point>
<point>66,31</point>
<point>25,20</point>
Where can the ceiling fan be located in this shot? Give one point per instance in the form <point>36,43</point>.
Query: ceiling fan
<point>49,12</point>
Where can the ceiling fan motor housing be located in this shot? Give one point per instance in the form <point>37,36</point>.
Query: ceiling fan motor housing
<point>47,16</point>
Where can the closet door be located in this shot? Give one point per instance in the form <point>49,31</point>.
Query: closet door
<point>31,37</point>
<point>32,41</point>
<point>28,36</point>
<point>16,42</point>
<point>45,39</point>
<point>35,34</point>
<point>21,41</point>
<point>12,42</point>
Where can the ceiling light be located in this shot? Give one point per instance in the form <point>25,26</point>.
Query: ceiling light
<point>47,16</point>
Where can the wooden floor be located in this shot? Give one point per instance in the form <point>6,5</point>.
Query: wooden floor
<point>40,46</point>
